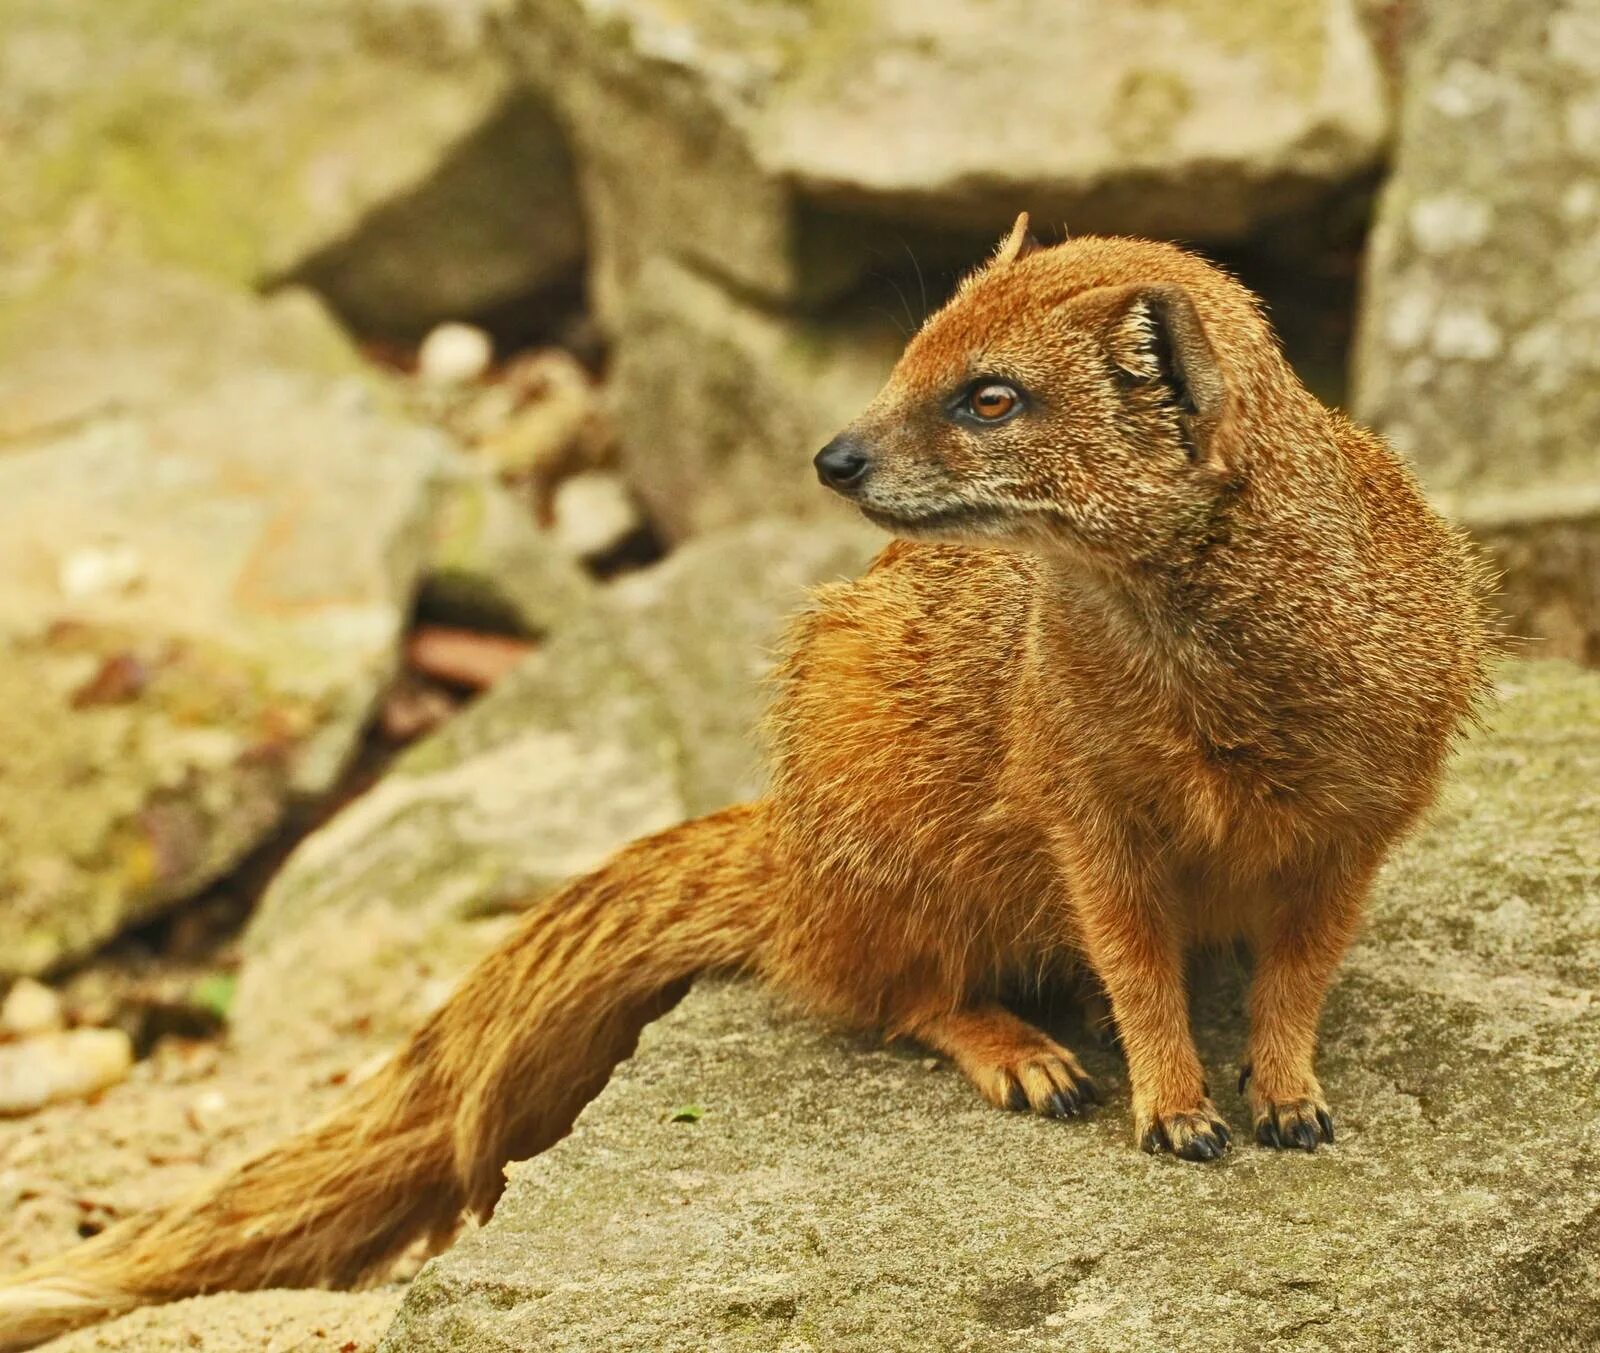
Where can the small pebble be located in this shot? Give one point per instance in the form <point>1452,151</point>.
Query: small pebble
<point>455,354</point>
<point>591,514</point>
<point>100,570</point>
<point>30,1008</point>
<point>52,1067</point>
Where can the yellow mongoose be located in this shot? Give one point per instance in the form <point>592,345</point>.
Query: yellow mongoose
<point>1168,653</point>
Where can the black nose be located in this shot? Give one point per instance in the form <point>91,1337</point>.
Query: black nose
<point>841,463</point>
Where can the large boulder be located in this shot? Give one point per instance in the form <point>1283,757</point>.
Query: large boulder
<point>751,1180</point>
<point>1476,353</point>
<point>377,148</point>
<point>1174,117</point>
<point>193,624</point>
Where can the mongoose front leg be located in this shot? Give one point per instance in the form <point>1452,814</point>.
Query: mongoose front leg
<point>1013,1064</point>
<point>1122,910</point>
<point>1296,956</point>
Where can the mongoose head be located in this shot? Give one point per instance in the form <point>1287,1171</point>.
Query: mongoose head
<point>1076,398</point>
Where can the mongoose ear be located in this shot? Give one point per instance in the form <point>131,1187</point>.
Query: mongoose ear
<point>1156,337</point>
<point>1018,244</point>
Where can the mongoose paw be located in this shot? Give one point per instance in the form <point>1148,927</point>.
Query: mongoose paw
<point>1293,1124</point>
<point>1198,1134</point>
<point>1048,1083</point>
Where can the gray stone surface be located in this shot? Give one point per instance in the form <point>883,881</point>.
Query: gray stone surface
<point>703,625</point>
<point>490,567</point>
<point>193,624</point>
<point>379,148</point>
<point>568,757</point>
<point>637,710</point>
<point>1181,116</point>
<point>1477,352</point>
<point>720,404</point>
<point>836,1196</point>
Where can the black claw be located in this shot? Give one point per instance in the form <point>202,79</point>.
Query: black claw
<point>1267,1133</point>
<point>1325,1122</point>
<point>1304,1136</point>
<point>1198,1148</point>
<point>1221,1129</point>
<point>1244,1075</point>
<point>1016,1097</point>
<point>1064,1106</point>
<point>1155,1139</point>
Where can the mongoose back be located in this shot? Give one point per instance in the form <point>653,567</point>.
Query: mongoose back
<point>1166,653</point>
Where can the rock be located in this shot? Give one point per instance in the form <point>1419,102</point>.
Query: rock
<point>832,1195</point>
<point>246,1322</point>
<point>490,568</point>
<point>1549,567</point>
<point>1476,353</point>
<point>378,149</point>
<point>592,515</point>
<point>818,132</point>
<point>55,1066</point>
<point>721,404</point>
<point>702,626</point>
<point>631,715</point>
<point>455,354</point>
<point>130,338</point>
<point>30,1008</point>
<point>564,760</point>
<point>193,625</point>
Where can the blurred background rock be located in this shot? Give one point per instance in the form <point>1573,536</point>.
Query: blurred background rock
<point>406,409</point>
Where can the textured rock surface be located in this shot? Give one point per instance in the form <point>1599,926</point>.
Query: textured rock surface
<point>193,627</point>
<point>702,626</point>
<point>1182,116</point>
<point>567,758</point>
<point>245,1322</point>
<point>835,1196</point>
<point>629,718</point>
<point>1477,354</point>
<point>376,147</point>
<point>489,566</point>
<point>721,404</point>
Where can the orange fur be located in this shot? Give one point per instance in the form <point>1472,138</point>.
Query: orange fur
<point>1173,655</point>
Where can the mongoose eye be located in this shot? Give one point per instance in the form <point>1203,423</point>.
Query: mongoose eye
<point>993,401</point>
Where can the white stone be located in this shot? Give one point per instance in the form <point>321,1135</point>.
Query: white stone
<point>592,513</point>
<point>100,570</point>
<point>58,1066</point>
<point>454,354</point>
<point>30,1008</point>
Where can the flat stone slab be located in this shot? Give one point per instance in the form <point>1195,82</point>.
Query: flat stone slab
<point>830,1194</point>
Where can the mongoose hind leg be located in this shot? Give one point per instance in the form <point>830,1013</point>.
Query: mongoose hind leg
<point>1013,1064</point>
<point>1295,961</point>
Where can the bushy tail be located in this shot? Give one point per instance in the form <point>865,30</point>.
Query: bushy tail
<point>498,1073</point>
